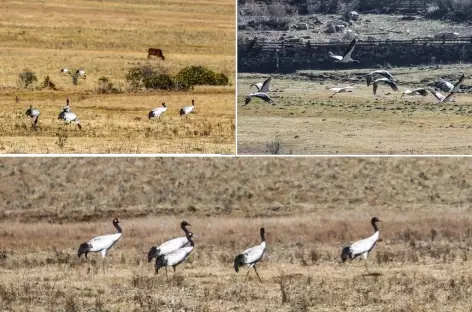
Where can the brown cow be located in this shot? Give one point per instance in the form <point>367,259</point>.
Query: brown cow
<point>156,52</point>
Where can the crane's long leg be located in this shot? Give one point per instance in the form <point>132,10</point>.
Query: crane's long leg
<point>249,270</point>
<point>257,274</point>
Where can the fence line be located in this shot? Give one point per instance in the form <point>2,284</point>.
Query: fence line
<point>303,45</point>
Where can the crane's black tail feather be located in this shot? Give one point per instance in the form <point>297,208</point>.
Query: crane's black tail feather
<point>84,249</point>
<point>153,253</point>
<point>238,261</point>
<point>346,253</point>
<point>182,112</point>
<point>161,261</point>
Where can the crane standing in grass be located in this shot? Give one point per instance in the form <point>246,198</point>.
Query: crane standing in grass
<point>33,113</point>
<point>184,111</point>
<point>170,245</point>
<point>251,256</point>
<point>362,247</point>
<point>157,112</point>
<point>101,243</point>
<point>175,257</point>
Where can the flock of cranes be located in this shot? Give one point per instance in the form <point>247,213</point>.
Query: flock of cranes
<point>173,252</point>
<point>386,78</point>
<point>68,116</point>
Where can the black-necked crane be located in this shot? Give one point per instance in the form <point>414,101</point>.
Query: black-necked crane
<point>81,73</point>
<point>341,90</point>
<point>101,243</point>
<point>387,81</point>
<point>176,257</point>
<point>262,86</point>
<point>184,111</point>
<point>69,116</point>
<point>381,72</point>
<point>260,95</point>
<point>251,256</point>
<point>362,247</point>
<point>346,58</point>
<point>157,112</point>
<point>65,70</point>
<point>441,98</point>
<point>414,92</point>
<point>170,245</point>
<point>33,113</point>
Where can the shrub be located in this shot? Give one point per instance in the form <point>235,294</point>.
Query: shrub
<point>105,86</point>
<point>27,78</point>
<point>199,75</point>
<point>149,77</point>
<point>158,81</point>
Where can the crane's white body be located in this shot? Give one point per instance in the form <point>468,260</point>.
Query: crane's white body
<point>103,243</point>
<point>171,245</point>
<point>380,72</point>
<point>364,246</point>
<point>176,257</point>
<point>69,117</point>
<point>64,70</point>
<point>187,109</point>
<point>254,254</point>
<point>157,112</point>
<point>261,95</point>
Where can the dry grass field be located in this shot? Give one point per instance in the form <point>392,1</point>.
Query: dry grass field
<point>306,120</point>
<point>309,207</point>
<point>107,38</point>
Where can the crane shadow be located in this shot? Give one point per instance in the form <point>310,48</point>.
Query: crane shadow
<point>373,274</point>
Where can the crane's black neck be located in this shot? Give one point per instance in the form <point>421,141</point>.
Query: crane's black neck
<point>190,240</point>
<point>262,234</point>
<point>374,224</point>
<point>117,226</point>
<point>184,228</point>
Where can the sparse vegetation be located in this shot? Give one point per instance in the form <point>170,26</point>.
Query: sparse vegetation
<point>105,86</point>
<point>27,78</point>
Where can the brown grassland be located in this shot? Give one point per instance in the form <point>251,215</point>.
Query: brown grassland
<point>309,207</point>
<point>307,120</point>
<point>107,38</point>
